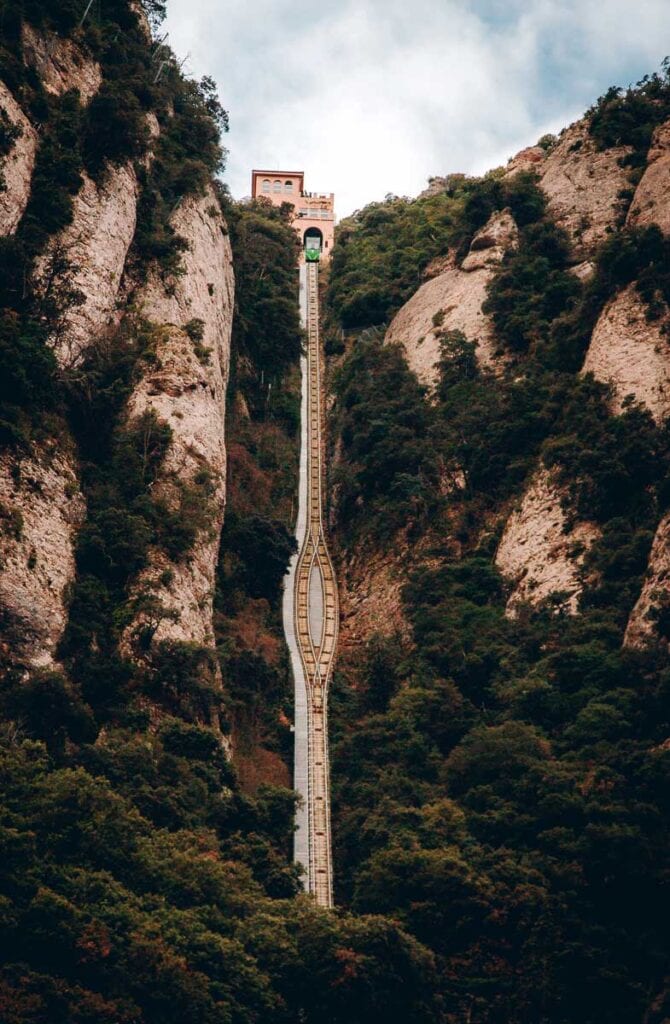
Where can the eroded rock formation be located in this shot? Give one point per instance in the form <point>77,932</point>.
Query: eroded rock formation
<point>537,553</point>
<point>643,624</point>
<point>187,391</point>
<point>41,506</point>
<point>95,246</point>
<point>452,300</point>
<point>631,353</point>
<point>60,63</point>
<point>582,184</point>
<point>650,204</point>
<point>16,168</point>
<point>41,509</point>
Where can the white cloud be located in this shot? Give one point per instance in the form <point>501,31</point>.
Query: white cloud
<point>373,96</point>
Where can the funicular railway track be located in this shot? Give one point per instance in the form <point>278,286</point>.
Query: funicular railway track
<point>315,621</point>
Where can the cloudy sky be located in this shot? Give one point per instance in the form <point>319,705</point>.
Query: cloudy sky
<point>374,96</point>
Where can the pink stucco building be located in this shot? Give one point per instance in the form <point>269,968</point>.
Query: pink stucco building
<point>314,212</point>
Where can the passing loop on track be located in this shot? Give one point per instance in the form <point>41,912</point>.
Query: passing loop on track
<point>311,621</point>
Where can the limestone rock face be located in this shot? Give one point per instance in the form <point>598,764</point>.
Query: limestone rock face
<point>142,20</point>
<point>16,168</point>
<point>205,292</point>
<point>582,185</point>
<point>41,509</point>
<point>528,159</point>
<point>641,628</point>
<point>492,241</point>
<point>629,352</point>
<point>651,203</point>
<point>60,64</point>
<point>536,554</point>
<point>95,244</point>
<point>460,295</point>
<point>188,392</point>
<point>438,265</point>
<point>435,187</point>
<point>583,271</point>
<point>455,296</point>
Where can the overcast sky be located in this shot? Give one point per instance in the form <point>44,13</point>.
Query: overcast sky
<point>374,96</point>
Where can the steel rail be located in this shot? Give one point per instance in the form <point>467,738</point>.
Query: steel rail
<point>316,619</point>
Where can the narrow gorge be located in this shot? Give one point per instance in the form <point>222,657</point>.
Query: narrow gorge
<point>441,454</point>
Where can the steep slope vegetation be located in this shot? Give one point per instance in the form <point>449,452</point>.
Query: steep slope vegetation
<point>262,442</point>
<point>143,879</point>
<point>501,751</point>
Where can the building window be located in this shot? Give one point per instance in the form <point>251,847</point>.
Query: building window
<point>266,184</point>
<point>288,186</point>
<point>276,187</point>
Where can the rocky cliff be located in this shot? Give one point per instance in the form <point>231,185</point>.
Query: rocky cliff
<point>187,390</point>
<point>38,565</point>
<point>94,248</point>
<point>452,299</point>
<point>539,553</point>
<point>583,186</point>
<point>60,64</point>
<point>16,163</point>
<point>41,509</point>
<point>92,267</point>
<point>587,190</point>
<point>648,619</point>
<point>650,202</point>
<point>631,353</point>
<point>501,693</point>
<point>591,194</point>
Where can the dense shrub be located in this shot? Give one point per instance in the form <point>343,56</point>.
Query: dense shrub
<point>87,881</point>
<point>27,388</point>
<point>383,249</point>
<point>261,549</point>
<point>533,288</point>
<point>392,465</point>
<point>116,128</point>
<point>628,117</point>
<point>262,431</point>
<point>266,330</point>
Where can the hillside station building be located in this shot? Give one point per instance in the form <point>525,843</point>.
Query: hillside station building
<point>313,212</point>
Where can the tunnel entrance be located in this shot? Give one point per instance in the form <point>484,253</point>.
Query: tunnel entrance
<point>313,239</point>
